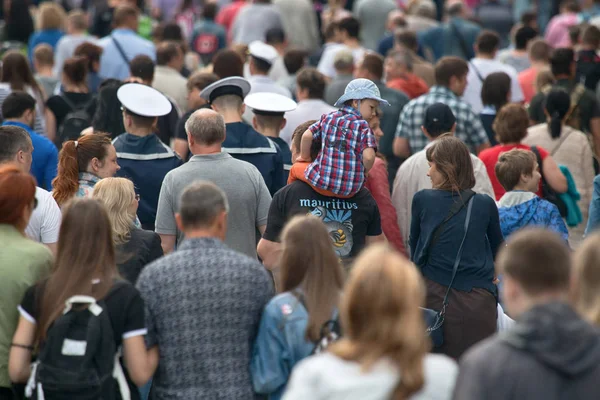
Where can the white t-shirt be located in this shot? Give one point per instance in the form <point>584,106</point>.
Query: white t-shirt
<point>328,58</point>
<point>45,221</point>
<point>485,67</point>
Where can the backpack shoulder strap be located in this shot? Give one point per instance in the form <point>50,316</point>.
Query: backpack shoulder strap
<point>461,40</point>
<point>68,102</point>
<point>577,94</point>
<point>120,49</point>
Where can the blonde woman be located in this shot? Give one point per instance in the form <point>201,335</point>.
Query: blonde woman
<point>310,285</point>
<point>135,247</point>
<point>383,354</point>
<point>50,26</point>
<point>585,282</point>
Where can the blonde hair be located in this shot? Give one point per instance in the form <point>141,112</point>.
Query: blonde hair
<point>309,262</point>
<point>117,194</point>
<point>585,291</point>
<point>380,317</point>
<point>51,15</point>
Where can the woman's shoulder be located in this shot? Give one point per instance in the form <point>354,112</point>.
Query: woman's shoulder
<point>144,235</point>
<point>282,305</point>
<point>441,373</point>
<point>484,199</point>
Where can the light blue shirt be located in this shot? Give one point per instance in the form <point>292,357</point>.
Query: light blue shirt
<point>112,63</point>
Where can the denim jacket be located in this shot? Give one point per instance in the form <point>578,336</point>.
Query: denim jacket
<point>280,345</point>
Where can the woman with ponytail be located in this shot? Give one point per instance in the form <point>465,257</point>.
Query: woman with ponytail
<point>81,164</point>
<point>568,147</point>
<point>383,352</point>
<point>75,93</point>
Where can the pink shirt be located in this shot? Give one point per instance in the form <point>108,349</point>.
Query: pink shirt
<point>557,32</point>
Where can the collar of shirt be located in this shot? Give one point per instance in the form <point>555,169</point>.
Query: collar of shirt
<point>209,157</point>
<point>20,125</point>
<point>8,230</point>
<point>123,31</point>
<point>261,79</point>
<point>488,110</point>
<point>165,70</point>
<point>350,110</point>
<point>201,243</point>
<point>443,91</point>
<point>88,179</point>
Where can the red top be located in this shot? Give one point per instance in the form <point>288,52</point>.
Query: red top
<point>227,15</point>
<point>527,81</point>
<point>378,185</point>
<point>490,158</point>
<point>412,85</point>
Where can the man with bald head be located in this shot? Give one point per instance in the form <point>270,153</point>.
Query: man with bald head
<point>246,191</point>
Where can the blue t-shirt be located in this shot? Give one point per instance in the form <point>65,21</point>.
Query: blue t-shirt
<point>44,158</point>
<point>476,270</point>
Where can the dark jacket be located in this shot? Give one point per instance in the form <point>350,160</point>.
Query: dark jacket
<point>142,248</point>
<point>550,354</point>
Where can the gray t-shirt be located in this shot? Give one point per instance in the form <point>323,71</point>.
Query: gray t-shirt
<point>246,191</point>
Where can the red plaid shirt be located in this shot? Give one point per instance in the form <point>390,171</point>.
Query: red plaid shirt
<point>344,136</point>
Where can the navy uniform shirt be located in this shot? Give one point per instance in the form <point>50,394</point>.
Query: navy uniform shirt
<point>145,160</point>
<point>244,143</point>
<point>286,155</point>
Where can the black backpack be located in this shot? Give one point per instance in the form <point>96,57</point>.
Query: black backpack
<point>331,332</point>
<point>74,122</point>
<point>79,359</point>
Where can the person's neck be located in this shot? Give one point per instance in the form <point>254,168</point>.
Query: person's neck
<point>44,71</point>
<point>562,77</point>
<point>200,150</point>
<point>17,120</point>
<point>269,132</point>
<point>200,234</point>
<point>231,117</point>
<point>141,132</point>
<point>343,73</point>
<point>352,43</point>
<point>73,88</point>
<point>77,33</point>
<point>484,56</point>
<point>544,298</point>
<point>537,65</point>
<point>519,53</point>
<point>520,188</point>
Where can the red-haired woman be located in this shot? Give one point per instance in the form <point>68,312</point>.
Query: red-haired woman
<point>81,164</point>
<point>22,261</point>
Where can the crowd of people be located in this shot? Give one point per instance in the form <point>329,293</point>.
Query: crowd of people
<point>299,199</point>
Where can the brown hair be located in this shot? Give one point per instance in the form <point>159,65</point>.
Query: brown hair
<point>407,38</point>
<point>511,165</point>
<point>123,13</point>
<point>544,77</point>
<point>495,89</point>
<point>166,51</point>
<point>51,16</point>
<point>449,67</point>
<point>453,160</point>
<point>591,36</point>
<point>511,124</point>
<point>200,80</point>
<point>538,259</point>
<point>76,69</point>
<point>373,63</point>
<point>43,54</point>
<point>315,148</point>
<point>73,160</point>
<point>381,318</point>
<point>90,52</point>
<point>85,252</point>
<point>487,42</point>
<point>310,78</point>
<point>539,50</point>
<point>585,291</point>
<point>17,191</point>
<point>294,60</point>
<point>308,262</point>
<point>16,72</point>
<point>228,63</point>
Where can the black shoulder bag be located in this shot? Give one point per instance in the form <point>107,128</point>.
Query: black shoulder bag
<point>120,50</point>
<point>434,320</point>
<point>547,192</point>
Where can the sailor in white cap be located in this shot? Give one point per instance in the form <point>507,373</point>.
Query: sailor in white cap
<point>143,157</point>
<point>243,142</point>
<point>269,110</point>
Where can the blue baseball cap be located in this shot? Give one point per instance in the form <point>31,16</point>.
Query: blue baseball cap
<point>360,89</point>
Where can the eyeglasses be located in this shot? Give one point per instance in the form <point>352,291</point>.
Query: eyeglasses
<point>137,197</point>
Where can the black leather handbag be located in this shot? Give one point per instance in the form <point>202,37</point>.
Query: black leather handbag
<point>434,320</point>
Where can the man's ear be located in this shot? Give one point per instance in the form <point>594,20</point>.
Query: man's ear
<point>254,122</point>
<point>283,124</point>
<point>179,222</point>
<point>427,135</point>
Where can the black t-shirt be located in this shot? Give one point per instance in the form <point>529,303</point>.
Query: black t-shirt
<point>124,305</point>
<point>60,108</point>
<point>348,221</point>
<point>588,68</point>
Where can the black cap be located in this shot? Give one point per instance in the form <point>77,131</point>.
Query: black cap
<point>438,119</point>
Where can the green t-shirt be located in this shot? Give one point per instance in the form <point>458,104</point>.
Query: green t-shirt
<point>23,262</point>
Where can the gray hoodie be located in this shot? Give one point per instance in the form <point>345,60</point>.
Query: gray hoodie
<point>550,354</point>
